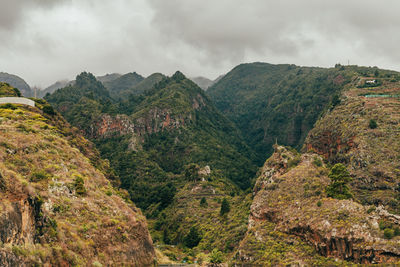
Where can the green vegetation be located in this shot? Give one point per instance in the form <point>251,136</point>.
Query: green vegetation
<point>153,171</point>
<point>7,90</point>
<point>372,124</point>
<point>193,238</point>
<point>270,103</point>
<point>225,207</point>
<point>340,178</point>
<point>203,202</point>
<point>216,256</point>
<point>123,83</point>
<point>79,185</point>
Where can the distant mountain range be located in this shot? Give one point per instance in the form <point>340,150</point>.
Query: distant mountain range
<point>17,82</point>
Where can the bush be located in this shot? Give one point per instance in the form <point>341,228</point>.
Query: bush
<point>39,176</point>
<point>388,233</point>
<point>373,124</point>
<point>192,172</point>
<point>225,207</point>
<point>216,256</point>
<point>48,109</point>
<point>340,178</point>
<point>79,185</point>
<point>193,238</point>
<point>319,203</point>
<point>203,202</point>
<point>317,161</point>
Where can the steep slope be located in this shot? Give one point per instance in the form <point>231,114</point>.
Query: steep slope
<point>16,82</point>
<point>158,146</point>
<point>295,216</point>
<point>83,102</point>
<point>363,132</point>
<point>292,221</point>
<point>280,103</point>
<point>57,207</point>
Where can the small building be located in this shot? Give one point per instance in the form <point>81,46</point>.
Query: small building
<point>370,81</point>
<point>17,100</point>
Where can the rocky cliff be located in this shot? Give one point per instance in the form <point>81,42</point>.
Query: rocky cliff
<point>363,132</point>
<point>57,206</point>
<point>292,221</point>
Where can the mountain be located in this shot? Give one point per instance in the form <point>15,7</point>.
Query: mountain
<point>57,206</point>
<point>202,82</point>
<point>337,202</point>
<point>61,84</point>
<point>108,77</point>
<point>146,84</point>
<point>123,83</point>
<point>54,87</point>
<point>16,82</point>
<point>170,147</point>
<point>278,103</point>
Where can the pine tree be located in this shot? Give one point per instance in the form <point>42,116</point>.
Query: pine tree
<point>225,207</point>
<point>339,186</point>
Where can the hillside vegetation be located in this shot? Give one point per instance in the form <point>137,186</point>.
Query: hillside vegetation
<point>57,206</point>
<point>280,103</point>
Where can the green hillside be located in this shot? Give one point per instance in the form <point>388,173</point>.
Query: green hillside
<point>280,103</point>
<point>122,83</point>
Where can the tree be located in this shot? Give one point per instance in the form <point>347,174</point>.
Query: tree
<point>192,172</point>
<point>193,238</point>
<point>373,124</point>
<point>203,202</point>
<point>340,178</point>
<point>225,207</point>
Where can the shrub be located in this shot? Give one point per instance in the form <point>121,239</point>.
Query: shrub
<point>192,172</point>
<point>372,124</point>
<point>39,176</point>
<point>8,106</point>
<point>203,202</point>
<point>193,238</point>
<point>371,209</point>
<point>216,256</point>
<point>294,162</point>
<point>48,109</point>
<point>317,161</point>
<point>79,185</point>
<point>225,207</point>
<point>388,233</point>
<point>319,203</point>
<point>340,178</point>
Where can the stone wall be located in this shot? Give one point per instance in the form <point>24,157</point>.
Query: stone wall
<point>17,100</point>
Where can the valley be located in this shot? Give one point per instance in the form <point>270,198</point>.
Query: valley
<point>242,173</point>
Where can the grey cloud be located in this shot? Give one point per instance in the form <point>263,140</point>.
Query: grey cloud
<point>12,11</point>
<point>47,40</point>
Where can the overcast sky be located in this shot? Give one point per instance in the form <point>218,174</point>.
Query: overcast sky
<point>47,40</point>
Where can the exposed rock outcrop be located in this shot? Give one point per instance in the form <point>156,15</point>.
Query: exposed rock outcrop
<point>290,199</point>
<point>56,207</point>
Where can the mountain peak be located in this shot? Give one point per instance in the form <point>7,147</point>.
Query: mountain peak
<point>178,76</point>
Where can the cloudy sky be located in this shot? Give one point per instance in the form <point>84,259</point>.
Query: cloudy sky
<point>48,40</point>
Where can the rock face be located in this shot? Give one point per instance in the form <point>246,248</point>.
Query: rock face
<point>371,155</point>
<point>290,201</point>
<point>56,205</point>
